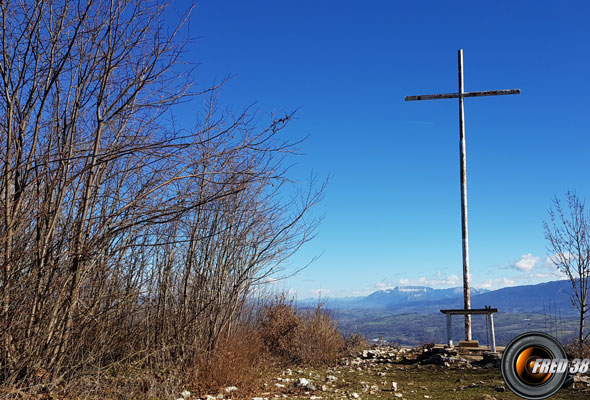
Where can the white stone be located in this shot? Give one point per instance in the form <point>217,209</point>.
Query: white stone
<point>394,386</point>
<point>230,389</point>
<point>304,383</point>
<point>186,394</point>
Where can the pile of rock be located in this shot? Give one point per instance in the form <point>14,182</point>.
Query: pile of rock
<point>442,356</point>
<point>422,355</point>
<point>383,354</point>
<point>490,360</point>
<point>581,381</point>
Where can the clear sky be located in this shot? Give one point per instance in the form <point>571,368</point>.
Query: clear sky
<point>392,205</point>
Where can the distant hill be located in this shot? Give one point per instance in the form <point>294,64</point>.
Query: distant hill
<point>528,298</point>
<point>411,314</point>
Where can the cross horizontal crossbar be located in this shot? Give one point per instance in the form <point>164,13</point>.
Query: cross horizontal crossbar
<point>471,311</point>
<point>466,94</point>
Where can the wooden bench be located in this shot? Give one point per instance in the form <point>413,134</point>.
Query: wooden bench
<point>488,312</point>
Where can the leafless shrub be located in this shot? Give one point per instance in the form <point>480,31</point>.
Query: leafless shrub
<point>238,360</point>
<point>300,336</point>
<point>577,350</point>
<point>281,329</point>
<point>355,342</point>
<point>320,342</point>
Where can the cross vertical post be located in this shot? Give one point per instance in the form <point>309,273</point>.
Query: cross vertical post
<point>464,229</point>
<point>491,323</point>
<point>463,175</point>
<point>449,330</point>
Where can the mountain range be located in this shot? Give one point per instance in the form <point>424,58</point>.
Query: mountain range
<point>540,298</point>
<point>411,314</point>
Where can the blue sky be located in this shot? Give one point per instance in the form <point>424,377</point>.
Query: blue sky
<point>392,204</point>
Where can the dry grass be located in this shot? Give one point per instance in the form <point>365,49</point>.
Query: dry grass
<point>238,360</point>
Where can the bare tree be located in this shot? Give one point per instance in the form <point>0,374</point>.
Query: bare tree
<point>123,237</point>
<point>569,246</point>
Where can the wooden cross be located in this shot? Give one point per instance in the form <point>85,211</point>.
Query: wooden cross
<point>461,95</point>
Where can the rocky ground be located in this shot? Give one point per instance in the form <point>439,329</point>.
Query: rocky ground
<point>424,372</point>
